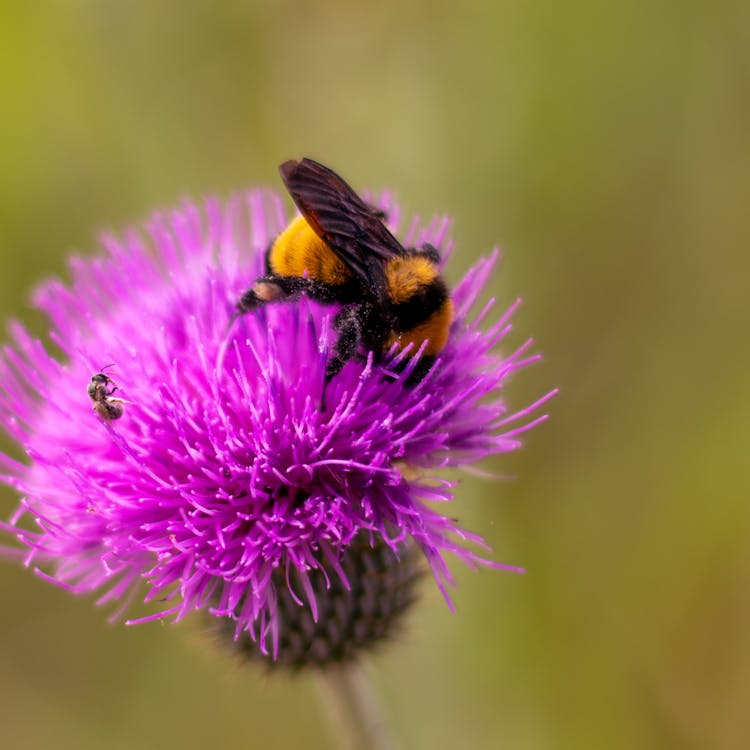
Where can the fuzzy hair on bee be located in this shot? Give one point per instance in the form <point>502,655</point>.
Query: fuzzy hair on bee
<point>339,250</point>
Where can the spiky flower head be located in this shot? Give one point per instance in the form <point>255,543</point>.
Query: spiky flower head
<point>225,485</point>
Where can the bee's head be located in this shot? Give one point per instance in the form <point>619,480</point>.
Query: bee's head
<point>100,379</point>
<point>99,384</point>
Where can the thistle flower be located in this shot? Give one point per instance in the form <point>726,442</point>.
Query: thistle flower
<point>224,486</point>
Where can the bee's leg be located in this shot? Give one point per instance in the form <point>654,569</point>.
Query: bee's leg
<point>274,288</point>
<point>378,212</point>
<point>348,324</point>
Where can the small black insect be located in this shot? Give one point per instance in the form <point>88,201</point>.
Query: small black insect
<point>101,390</point>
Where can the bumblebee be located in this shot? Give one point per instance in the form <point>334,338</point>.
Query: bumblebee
<point>101,390</point>
<point>340,251</point>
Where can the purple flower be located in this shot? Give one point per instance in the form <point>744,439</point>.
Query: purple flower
<point>224,469</point>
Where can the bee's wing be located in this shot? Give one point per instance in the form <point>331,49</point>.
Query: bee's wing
<point>353,230</point>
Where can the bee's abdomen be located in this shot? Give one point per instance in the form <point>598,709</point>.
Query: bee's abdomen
<point>421,308</point>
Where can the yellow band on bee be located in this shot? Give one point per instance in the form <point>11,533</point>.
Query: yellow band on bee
<point>298,251</point>
<point>407,274</point>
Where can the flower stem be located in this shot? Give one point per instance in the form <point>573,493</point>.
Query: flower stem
<point>355,713</point>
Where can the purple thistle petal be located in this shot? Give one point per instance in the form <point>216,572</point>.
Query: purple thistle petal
<point>224,467</point>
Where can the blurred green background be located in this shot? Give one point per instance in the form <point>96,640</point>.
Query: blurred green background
<point>604,145</point>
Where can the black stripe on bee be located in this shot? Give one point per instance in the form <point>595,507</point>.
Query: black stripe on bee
<point>420,306</point>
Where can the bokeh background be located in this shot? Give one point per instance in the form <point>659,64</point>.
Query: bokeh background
<point>605,147</point>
